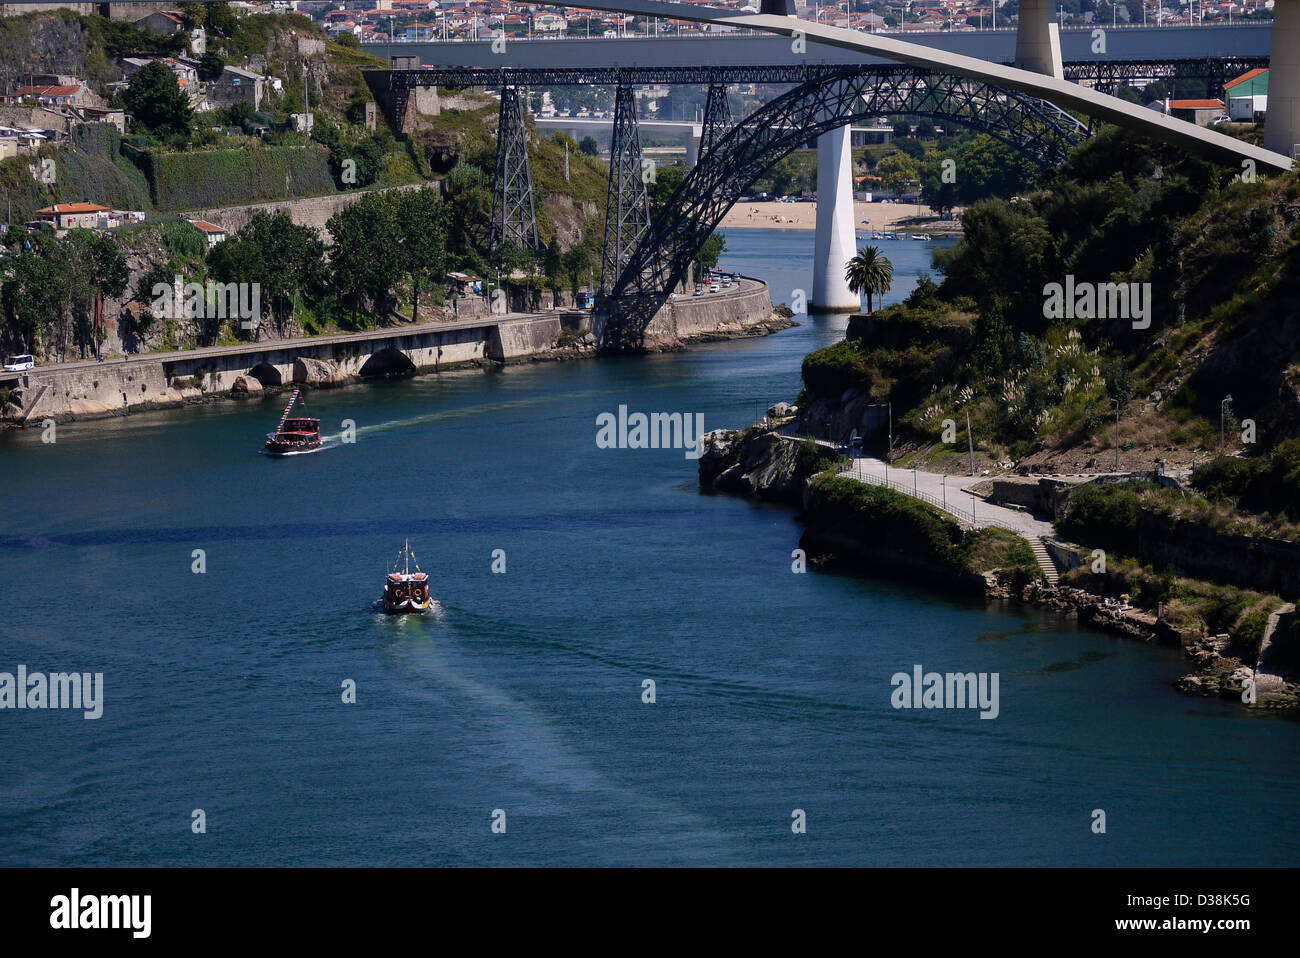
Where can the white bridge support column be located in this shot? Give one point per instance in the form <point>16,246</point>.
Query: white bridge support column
<point>836,241</point>
<point>1038,40</point>
<point>1282,119</point>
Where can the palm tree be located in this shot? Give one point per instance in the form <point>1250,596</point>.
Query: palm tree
<point>869,272</point>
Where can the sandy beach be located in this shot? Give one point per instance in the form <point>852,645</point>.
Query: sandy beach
<point>803,216</point>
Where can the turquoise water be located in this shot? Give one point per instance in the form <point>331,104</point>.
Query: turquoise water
<point>524,693</point>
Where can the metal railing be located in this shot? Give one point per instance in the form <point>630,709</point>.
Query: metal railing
<point>972,517</point>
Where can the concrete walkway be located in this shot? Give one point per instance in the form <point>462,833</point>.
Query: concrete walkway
<point>947,493</point>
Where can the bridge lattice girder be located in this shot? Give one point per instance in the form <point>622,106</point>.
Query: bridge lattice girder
<point>627,207</point>
<point>666,250</point>
<point>514,214</point>
<point>717,117</point>
<point>1106,75</point>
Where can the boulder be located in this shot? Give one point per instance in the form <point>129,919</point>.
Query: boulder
<point>246,384</point>
<point>782,410</point>
<point>317,372</point>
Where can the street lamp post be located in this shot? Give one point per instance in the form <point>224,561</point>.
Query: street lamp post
<point>1116,404</point>
<point>944,482</point>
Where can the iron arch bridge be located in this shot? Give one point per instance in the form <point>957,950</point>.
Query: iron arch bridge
<point>669,245</point>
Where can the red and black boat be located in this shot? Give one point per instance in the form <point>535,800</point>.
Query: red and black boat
<point>294,435</point>
<point>406,591</point>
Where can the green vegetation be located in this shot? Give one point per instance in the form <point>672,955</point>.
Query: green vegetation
<point>1187,604</point>
<point>1222,258</point>
<point>156,102</point>
<point>1108,515</point>
<point>50,292</point>
<point>812,457</point>
<point>189,181</point>
<point>870,272</point>
<point>1268,484</point>
<point>876,514</point>
<point>980,168</point>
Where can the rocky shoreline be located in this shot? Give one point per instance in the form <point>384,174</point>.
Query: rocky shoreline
<point>760,464</point>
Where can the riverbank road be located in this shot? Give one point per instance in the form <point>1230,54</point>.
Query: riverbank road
<point>945,492</point>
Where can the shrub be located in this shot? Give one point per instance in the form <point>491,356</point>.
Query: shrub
<point>1104,515</point>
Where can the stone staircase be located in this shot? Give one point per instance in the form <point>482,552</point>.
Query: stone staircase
<point>1045,561</point>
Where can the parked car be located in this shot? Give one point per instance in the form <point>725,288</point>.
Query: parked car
<point>18,364</point>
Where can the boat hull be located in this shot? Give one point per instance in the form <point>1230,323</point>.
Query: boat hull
<point>406,606</point>
<point>273,448</point>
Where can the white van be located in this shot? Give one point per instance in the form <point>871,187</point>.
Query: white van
<point>18,364</point>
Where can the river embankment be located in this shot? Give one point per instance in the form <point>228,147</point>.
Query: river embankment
<point>859,527</point>
<point>90,390</point>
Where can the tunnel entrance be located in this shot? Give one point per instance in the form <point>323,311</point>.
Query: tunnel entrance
<point>266,374</point>
<point>388,362</point>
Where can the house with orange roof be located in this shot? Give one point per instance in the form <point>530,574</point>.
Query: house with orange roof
<point>77,94</point>
<point>71,216</point>
<point>212,233</point>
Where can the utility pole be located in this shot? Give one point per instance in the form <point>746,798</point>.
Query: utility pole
<point>970,441</point>
<point>1223,409</point>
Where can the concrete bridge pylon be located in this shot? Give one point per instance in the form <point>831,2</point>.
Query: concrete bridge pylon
<point>1038,40</point>
<point>1282,121</point>
<point>836,241</point>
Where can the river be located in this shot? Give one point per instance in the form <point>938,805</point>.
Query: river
<point>223,690</point>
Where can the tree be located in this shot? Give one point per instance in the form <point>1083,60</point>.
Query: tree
<point>366,257</point>
<point>939,185</point>
<point>469,194</point>
<point>220,19</point>
<point>94,267</point>
<point>869,272</point>
<point>711,252</point>
<point>211,64</point>
<point>925,129</point>
<point>156,100</point>
<point>899,172</point>
<point>589,146</point>
<point>282,258</point>
<point>422,219</point>
<point>666,181</point>
<point>239,113</point>
<point>912,148</point>
<point>553,265</point>
<point>578,265</point>
<point>30,297</point>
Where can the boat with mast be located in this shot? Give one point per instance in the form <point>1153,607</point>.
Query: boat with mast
<point>406,591</point>
<point>294,435</point>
